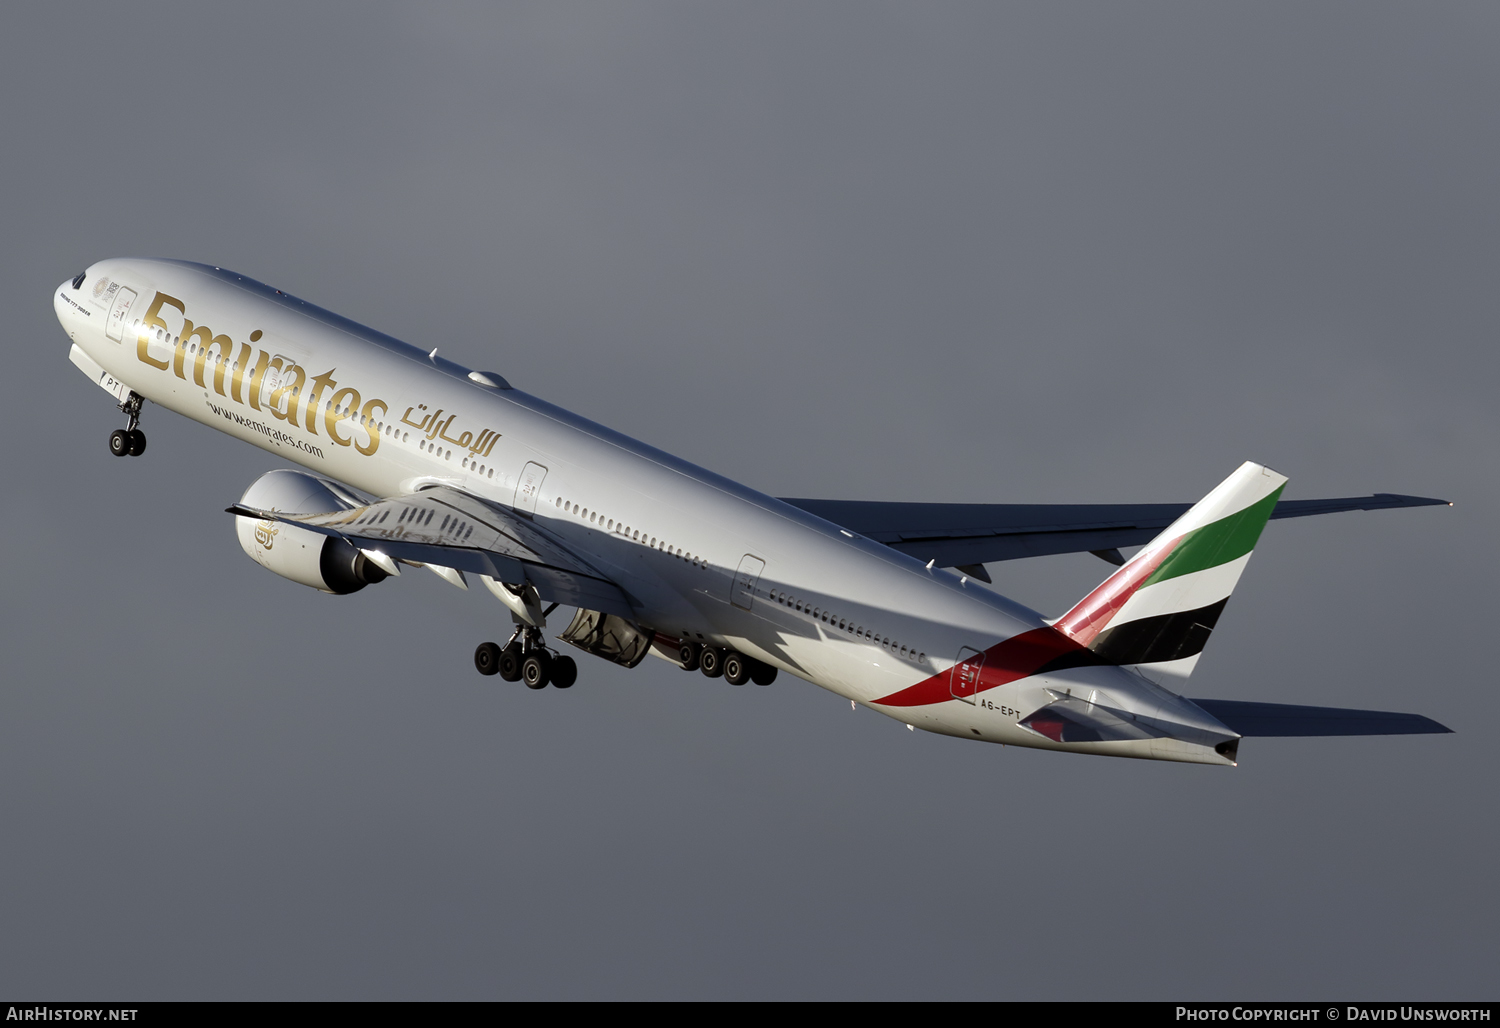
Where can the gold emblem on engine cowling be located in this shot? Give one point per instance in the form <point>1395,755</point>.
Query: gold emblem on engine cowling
<point>265,533</point>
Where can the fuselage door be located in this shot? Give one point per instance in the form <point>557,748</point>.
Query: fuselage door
<point>529,487</point>
<point>742,595</point>
<point>963,680</point>
<point>114,325</point>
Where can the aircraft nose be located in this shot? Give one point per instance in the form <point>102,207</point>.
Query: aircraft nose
<point>67,299</point>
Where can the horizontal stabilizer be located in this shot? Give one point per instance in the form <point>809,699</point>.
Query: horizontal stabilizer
<point>1286,719</point>
<point>956,534</point>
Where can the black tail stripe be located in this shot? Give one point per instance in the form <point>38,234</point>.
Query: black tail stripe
<point>1071,659</point>
<point>1163,637</point>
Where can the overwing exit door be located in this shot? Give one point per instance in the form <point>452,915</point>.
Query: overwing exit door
<point>742,594</point>
<point>528,487</point>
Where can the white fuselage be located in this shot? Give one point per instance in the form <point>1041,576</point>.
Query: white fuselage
<point>841,611</point>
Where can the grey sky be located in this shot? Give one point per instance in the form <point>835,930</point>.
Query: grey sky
<point>1019,253</point>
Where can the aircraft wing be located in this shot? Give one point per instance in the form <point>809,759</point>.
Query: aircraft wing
<point>1287,719</point>
<point>452,529</point>
<point>967,535</point>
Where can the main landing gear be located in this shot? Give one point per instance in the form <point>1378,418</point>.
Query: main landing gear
<point>129,441</point>
<point>525,658</point>
<point>730,665</point>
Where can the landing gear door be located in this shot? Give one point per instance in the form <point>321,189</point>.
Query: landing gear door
<point>529,487</point>
<point>742,593</point>
<point>963,679</point>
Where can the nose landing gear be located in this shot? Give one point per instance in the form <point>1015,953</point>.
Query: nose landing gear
<point>129,441</point>
<point>526,658</point>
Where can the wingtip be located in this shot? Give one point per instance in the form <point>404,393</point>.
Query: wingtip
<point>1402,500</point>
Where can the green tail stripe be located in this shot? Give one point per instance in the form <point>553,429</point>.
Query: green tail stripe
<point>1216,543</point>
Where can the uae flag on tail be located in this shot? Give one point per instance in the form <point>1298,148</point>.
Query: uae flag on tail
<point>1157,612</point>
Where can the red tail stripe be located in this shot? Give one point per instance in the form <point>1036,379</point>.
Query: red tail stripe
<point>1020,656</point>
<point>1093,613</point>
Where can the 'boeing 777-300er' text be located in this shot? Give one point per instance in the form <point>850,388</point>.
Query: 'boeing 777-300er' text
<point>415,461</point>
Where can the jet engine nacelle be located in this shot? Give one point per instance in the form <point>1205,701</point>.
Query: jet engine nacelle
<point>324,562</point>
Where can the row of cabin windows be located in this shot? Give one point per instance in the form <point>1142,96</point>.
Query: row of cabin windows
<point>375,427</point>
<point>635,535</point>
<point>437,451</point>
<point>482,470</point>
<point>844,625</point>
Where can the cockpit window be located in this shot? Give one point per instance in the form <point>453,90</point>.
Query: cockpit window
<point>78,282</point>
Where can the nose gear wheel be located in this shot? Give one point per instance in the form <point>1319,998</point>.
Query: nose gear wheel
<point>129,441</point>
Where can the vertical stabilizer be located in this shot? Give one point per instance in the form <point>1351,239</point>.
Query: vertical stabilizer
<point>1156,612</point>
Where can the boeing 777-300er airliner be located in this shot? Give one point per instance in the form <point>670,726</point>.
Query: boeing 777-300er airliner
<point>413,460</point>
